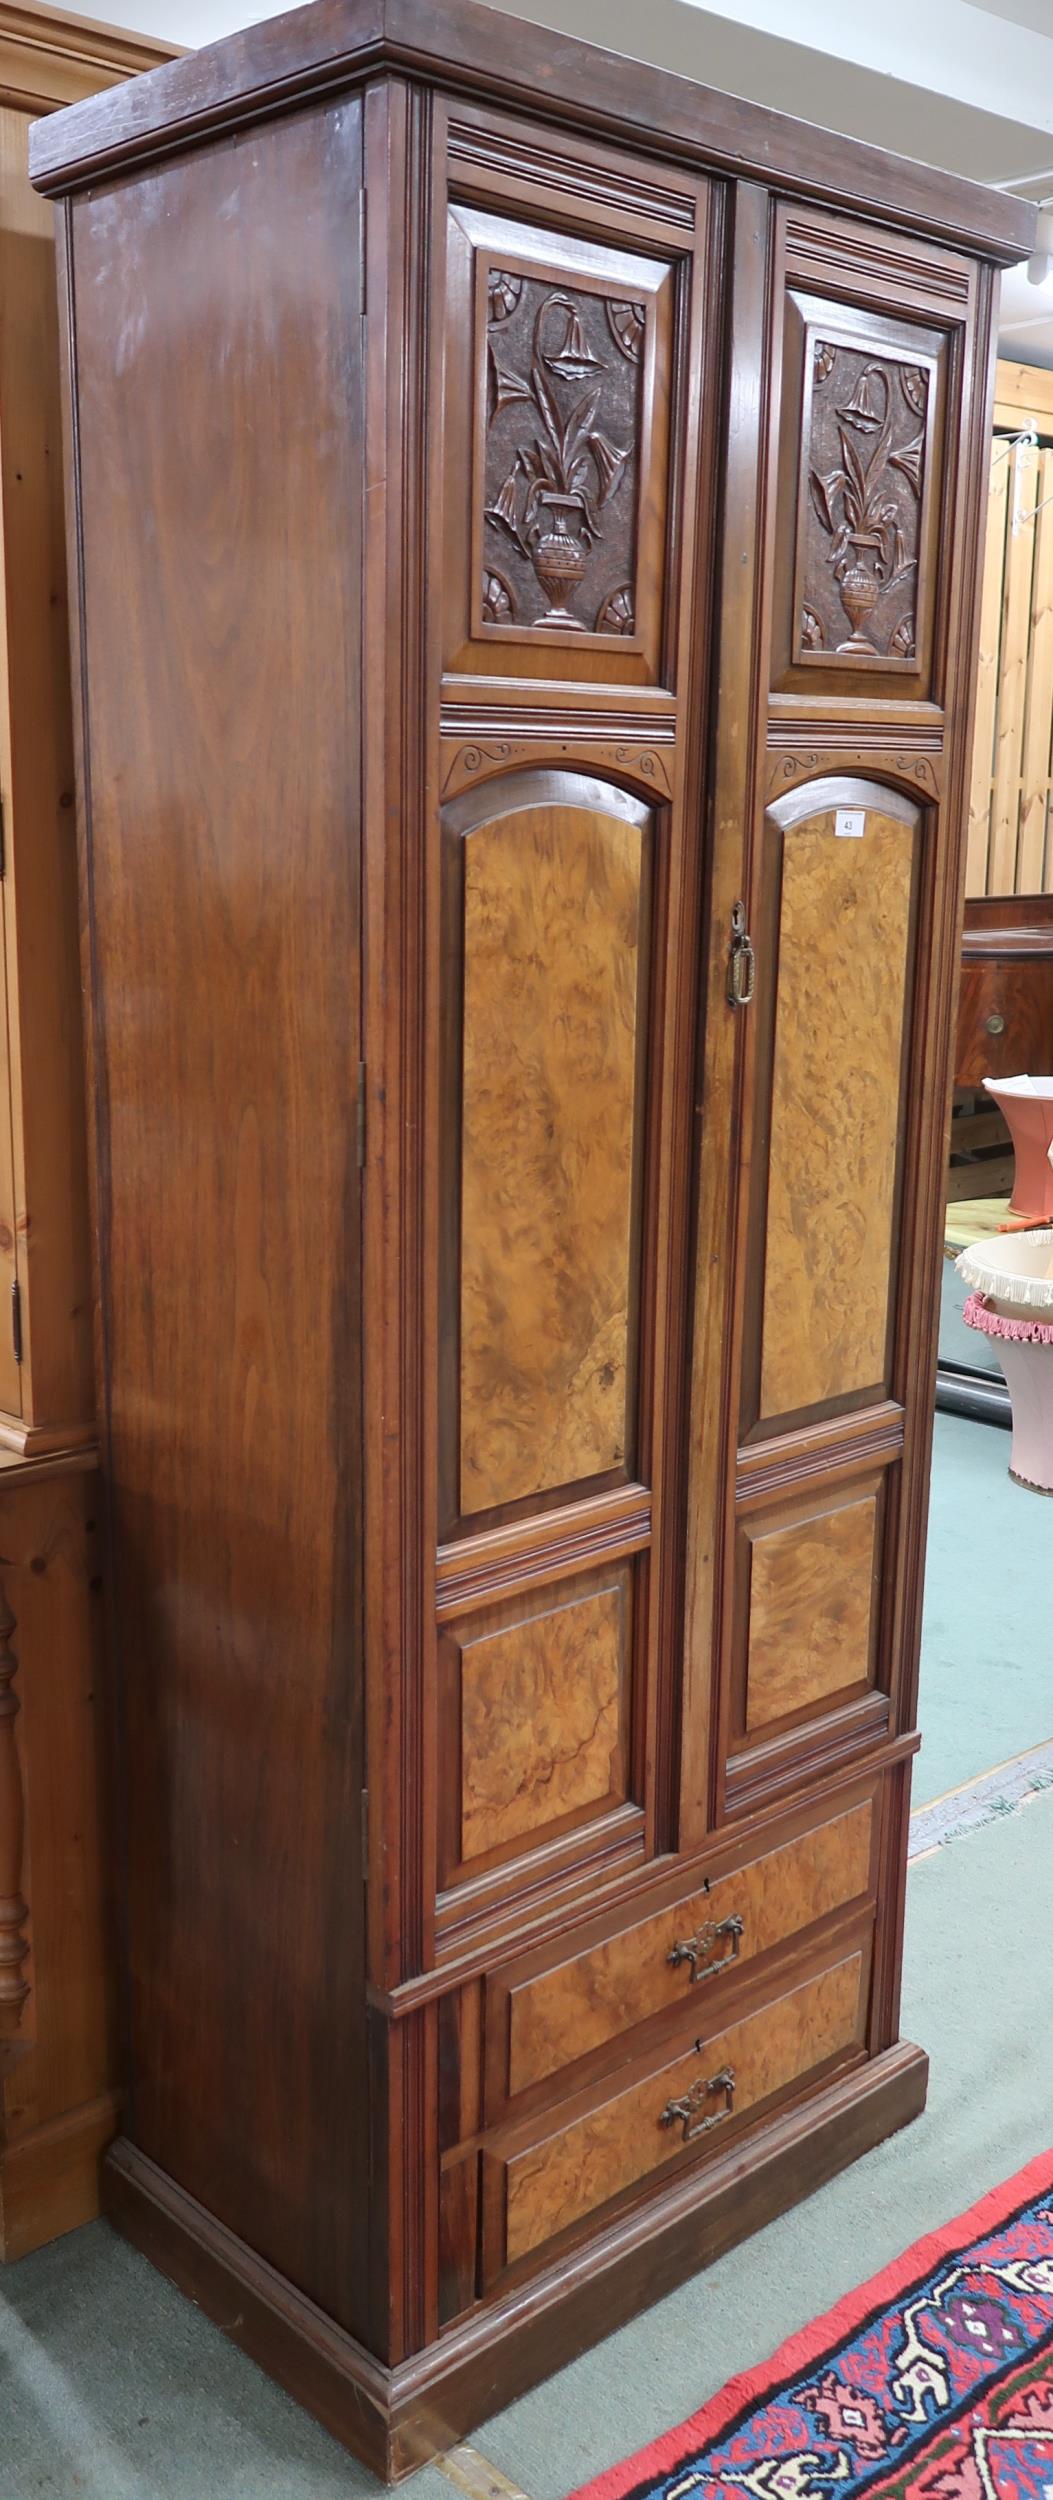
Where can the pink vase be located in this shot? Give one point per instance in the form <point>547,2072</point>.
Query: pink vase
<point>1026,1105</point>
<point>1029,1379</point>
<point>1012,1304</point>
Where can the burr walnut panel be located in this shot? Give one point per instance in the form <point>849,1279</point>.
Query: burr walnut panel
<point>540,2020</point>
<point>539,1715</point>
<point>811,1604</point>
<point>536,2189</point>
<point>840,886</point>
<point>548,876</point>
<point>558,372</point>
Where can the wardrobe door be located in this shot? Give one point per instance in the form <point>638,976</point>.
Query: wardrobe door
<point>571,482</point>
<point>844,867</point>
<point>548,1054</point>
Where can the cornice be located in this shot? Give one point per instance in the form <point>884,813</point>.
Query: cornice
<point>483,52</point>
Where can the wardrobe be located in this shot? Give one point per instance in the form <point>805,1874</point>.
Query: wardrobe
<point>525,510</point>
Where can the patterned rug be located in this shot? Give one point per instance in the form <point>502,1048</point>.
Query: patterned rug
<point>935,2380</point>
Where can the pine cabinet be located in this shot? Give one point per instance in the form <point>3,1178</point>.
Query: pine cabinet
<point>58,2101</point>
<point>46,1386</point>
<point>525,640</point>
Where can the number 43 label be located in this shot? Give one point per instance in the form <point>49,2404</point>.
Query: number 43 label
<point>849,822</point>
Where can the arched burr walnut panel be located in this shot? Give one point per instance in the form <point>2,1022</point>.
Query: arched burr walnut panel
<point>834,991</point>
<point>547,973</point>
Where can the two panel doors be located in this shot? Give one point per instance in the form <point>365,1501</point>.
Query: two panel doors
<point>666,1211</point>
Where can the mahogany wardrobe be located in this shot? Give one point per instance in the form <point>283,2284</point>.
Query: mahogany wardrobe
<point>525,513</point>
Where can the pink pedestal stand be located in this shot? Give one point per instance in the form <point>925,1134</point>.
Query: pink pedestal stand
<point>1012,1303</point>
<point>1026,1105</point>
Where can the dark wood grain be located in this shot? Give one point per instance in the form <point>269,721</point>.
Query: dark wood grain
<point>225,760</point>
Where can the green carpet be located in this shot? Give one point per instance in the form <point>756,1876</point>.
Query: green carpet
<point>986,1650</point>
<point>112,2387</point>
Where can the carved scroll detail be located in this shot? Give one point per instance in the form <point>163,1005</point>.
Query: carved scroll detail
<point>808,764</point>
<point>481,758</point>
<point>14,1946</point>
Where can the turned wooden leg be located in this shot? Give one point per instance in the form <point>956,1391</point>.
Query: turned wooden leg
<point>14,1947</point>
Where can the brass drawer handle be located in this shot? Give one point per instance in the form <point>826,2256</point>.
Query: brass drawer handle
<point>694,1949</point>
<point>687,2108</point>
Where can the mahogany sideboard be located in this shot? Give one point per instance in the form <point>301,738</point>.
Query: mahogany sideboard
<point>524,646</point>
<point>1005,1003</point>
<point>58,2099</point>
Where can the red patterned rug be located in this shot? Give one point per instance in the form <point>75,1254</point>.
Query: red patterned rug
<point>935,2380</point>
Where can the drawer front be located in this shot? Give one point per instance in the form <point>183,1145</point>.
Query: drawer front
<point>685,2107</point>
<point>539,2021</point>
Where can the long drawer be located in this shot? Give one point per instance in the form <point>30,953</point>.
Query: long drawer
<point>540,2179</point>
<point>544,2015</point>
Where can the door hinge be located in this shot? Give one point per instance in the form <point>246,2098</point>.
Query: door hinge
<point>3,838</point>
<point>361,1115</point>
<point>16,1319</point>
<point>362,253</point>
<point>365,1835</point>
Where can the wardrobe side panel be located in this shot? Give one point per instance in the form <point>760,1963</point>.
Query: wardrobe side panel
<point>218,437</point>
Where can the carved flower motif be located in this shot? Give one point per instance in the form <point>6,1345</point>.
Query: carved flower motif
<point>859,504</point>
<point>813,637</point>
<point>901,645</point>
<point>503,290</point>
<point>825,360</point>
<point>914,384</point>
<point>909,458</point>
<point>626,323</point>
<point>616,616</point>
<point>499,607</point>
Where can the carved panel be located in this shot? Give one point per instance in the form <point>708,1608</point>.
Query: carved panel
<point>838,1002</point>
<point>865,439</point>
<point>542,1715</point>
<point>859,457</point>
<point>564,367</point>
<point>550,875</point>
<point>557,381</point>
<point>810,1610</point>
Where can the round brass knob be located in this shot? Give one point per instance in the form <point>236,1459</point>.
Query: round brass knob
<point>995,1023</point>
